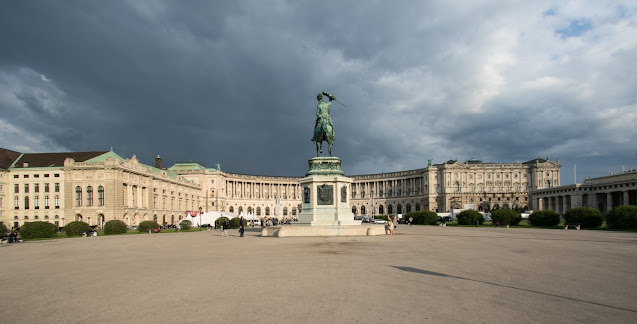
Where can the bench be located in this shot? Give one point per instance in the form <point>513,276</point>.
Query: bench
<point>576,226</point>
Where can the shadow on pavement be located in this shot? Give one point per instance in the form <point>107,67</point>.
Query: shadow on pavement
<point>438,274</point>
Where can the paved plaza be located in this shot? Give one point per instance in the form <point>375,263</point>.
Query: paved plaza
<point>422,274</point>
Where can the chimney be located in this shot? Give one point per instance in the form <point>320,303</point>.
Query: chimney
<point>158,162</point>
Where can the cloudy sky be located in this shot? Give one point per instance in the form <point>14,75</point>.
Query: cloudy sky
<point>235,82</point>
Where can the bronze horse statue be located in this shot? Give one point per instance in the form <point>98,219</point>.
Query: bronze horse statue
<point>323,129</point>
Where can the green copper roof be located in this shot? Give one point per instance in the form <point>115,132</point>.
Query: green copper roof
<point>181,166</point>
<point>103,157</point>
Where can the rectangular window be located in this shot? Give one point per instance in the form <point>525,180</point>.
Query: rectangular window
<point>15,176</point>
<point>26,187</point>
<point>46,202</point>
<point>16,188</point>
<point>57,175</point>
<point>46,175</point>
<point>16,203</point>
<point>57,187</point>
<point>25,176</point>
<point>1,202</point>
<point>36,175</point>
<point>36,187</point>
<point>46,187</point>
<point>36,202</point>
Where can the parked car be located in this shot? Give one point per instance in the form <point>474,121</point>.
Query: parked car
<point>133,228</point>
<point>366,219</point>
<point>380,221</point>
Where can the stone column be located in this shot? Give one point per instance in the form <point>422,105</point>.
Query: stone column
<point>609,201</point>
<point>626,198</point>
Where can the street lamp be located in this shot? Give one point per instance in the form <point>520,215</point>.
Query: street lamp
<point>200,209</point>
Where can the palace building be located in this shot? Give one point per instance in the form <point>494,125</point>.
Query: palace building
<point>99,186</point>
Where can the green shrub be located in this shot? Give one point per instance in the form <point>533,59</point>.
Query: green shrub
<point>588,217</point>
<point>470,217</point>
<point>3,228</point>
<point>219,220</point>
<point>76,228</point>
<point>384,217</point>
<point>145,226</point>
<point>423,217</point>
<point>506,216</point>
<point>35,230</point>
<point>624,217</point>
<point>115,226</point>
<point>235,222</point>
<point>544,218</point>
<point>185,225</point>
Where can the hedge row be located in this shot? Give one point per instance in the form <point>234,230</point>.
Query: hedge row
<point>622,217</point>
<point>115,226</point>
<point>76,228</point>
<point>38,229</point>
<point>423,217</point>
<point>506,216</point>
<point>470,217</point>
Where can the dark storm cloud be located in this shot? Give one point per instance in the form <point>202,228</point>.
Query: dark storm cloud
<point>235,82</point>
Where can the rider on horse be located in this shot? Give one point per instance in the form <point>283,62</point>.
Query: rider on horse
<point>323,130</point>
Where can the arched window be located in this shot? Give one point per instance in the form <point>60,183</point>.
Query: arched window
<point>381,210</point>
<point>36,201</point>
<point>231,209</point>
<point>363,211</point>
<point>354,210</point>
<point>390,209</point>
<point>46,202</point>
<point>267,211</point>
<point>240,209</point>
<point>172,219</point>
<point>78,196</point>
<point>57,202</point>
<point>293,211</point>
<point>285,211</point>
<point>89,196</point>
<point>249,210</point>
<point>16,202</point>
<point>26,217</point>
<point>456,186</point>
<point>26,202</point>
<point>57,217</point>
<point>36,217</point>
<point>408,208</point>
<point>46,217</point>
<point>15,217</point>
<point>399,209</point>
<point>417,206</point>
<point>258,211</point>
<point>100,196</point>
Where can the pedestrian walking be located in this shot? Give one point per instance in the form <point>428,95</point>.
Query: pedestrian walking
<point>241,226</point>
<point>224,228</point>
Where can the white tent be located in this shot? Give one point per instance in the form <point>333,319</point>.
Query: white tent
<point>208,218</point>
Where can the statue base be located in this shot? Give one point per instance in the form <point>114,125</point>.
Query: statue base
<point>325,210</point>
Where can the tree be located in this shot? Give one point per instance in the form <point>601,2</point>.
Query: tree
<point>624,217</point>
<point>470,217</point>
<point>506,216</point>
<point>544,218</point>
<point>586,216</point>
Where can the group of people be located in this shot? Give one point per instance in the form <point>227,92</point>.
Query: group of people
<point>14,237</point>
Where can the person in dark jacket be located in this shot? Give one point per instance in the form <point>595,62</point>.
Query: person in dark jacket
<point>241,226</point>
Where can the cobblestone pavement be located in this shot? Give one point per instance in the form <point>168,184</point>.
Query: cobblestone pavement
<point>422,274</point>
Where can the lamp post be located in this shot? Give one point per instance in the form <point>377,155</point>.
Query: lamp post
<point>200,209</point>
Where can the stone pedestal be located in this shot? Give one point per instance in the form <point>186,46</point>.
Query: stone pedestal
<point>325,209</point>
<point>326,194</point>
